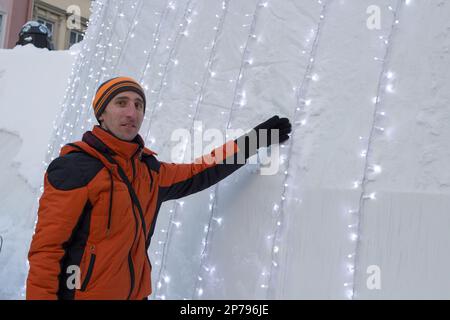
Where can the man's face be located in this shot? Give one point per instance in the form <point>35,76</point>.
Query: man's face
<point>123,115</point>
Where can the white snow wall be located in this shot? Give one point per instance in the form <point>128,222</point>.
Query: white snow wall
<point>364,180</point>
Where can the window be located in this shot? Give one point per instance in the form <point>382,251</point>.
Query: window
<point>75,37</point>
<point>48,24</point>
<point>2,19</point>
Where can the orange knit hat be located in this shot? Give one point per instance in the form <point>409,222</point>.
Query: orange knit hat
<point>111,88</point>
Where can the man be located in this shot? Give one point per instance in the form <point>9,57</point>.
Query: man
<point>102,196</point>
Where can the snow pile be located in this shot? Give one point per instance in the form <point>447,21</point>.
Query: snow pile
<point>32,84</point>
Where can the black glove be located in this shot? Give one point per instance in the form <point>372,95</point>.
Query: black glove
<point>261,135</point>
<point>283,126</point>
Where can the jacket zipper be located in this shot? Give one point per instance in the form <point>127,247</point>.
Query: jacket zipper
<point>89,270</point>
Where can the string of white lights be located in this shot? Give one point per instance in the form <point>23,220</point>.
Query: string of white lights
<point>198,101</point>
<point>238,100</point>
<point>170,6</point>
<point>156,39</point>
<point>153,48</point>
<point>138,5</point>
<point>182,32</point>
<point>384,86</point>
<point>279,208</point>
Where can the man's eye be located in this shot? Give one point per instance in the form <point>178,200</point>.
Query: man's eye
<point>139,106</point>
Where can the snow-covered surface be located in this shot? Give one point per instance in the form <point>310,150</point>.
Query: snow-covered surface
<point>364,181</point>
<point>32,84</point>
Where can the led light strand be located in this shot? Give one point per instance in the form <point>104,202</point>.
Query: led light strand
<point>183,26</point>
<point>130,34</point>
<point>367,165</point>
<point>151,54</point>
<point>279,208</point>
<point>155,41</point>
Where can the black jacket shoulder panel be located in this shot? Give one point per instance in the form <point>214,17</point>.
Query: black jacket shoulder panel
<point>151,162</point>
<point>73,171</point>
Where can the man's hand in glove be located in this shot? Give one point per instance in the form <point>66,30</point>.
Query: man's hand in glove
<point>267,128</point>
<point>264,135</point>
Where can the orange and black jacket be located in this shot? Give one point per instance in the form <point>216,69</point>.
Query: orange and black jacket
<point>98,213</point>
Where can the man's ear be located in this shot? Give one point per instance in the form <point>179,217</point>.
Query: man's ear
<point>101,122</point>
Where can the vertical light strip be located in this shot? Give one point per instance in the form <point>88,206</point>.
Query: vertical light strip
<point>279,209</point>
<point>385,74</point>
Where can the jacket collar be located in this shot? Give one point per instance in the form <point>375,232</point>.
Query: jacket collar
<point>105,142</point>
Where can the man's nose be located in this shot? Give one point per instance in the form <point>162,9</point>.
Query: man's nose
<point>130,110</point>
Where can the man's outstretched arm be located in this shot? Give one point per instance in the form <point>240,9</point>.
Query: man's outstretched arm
<point>180,180</point>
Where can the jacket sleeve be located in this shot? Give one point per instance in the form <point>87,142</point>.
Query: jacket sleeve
<point>180,180</point>
<point>60,207</point>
